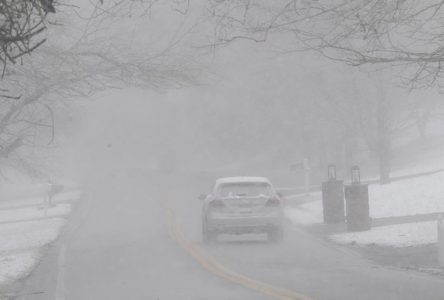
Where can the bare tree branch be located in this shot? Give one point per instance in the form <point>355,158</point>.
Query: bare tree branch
<point>405,33</point>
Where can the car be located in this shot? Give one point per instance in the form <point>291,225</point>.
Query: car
<point>242,205</point>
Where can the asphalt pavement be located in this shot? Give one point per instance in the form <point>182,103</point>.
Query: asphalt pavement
<point>119,246</point>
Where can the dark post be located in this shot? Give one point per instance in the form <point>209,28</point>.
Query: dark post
<point>333,198</point>
<point>357,203</point>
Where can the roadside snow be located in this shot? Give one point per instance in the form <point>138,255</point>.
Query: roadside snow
<point>28,225</point>
<point>16,266</point>
<point>401,235</point>
<point>296,197</point>
<point>64,196</point>
<point>422,195</point>
<point>29,235</point>
<point>68,195</point>
<point>20,246</point>
<point>305,214</point>
<point>34,212</point>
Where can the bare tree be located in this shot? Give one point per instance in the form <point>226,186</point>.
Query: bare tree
<point>404,33</point>
<point>61,71</point>
<point>21,25</point>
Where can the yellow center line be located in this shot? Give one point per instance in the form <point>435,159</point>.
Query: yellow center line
<point>215,267</point>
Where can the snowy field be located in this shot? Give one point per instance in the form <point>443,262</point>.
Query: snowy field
<point>422,195</point>
<point>27,225</point>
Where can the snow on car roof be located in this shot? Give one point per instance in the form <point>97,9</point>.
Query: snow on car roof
<point>241,179</point>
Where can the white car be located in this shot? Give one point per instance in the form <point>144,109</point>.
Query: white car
<point>238,205</point>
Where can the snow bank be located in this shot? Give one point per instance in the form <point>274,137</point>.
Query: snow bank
<point>422,195</point>
<point>401,235</point>
<point>29,235</point>
<point>68,195</point>
<point>17,266</point>
<point>34,212</point>
<point>20,246</point>
<point>305,214</point>
<point>65,196</point>
<point>27,225</point>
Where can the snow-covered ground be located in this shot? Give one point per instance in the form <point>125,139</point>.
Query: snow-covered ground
<point>34,213</point>
<point>305,214</point>
<point>21,246</point>
<point>400,235</point>
<point>27,225</point>
<point>422,195</point>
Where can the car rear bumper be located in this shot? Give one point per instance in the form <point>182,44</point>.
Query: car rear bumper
<point>242,224</point>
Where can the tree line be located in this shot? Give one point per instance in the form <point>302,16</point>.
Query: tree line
<point>405,36</point>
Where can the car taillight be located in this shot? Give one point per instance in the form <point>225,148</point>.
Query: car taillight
<point>273,202</point>
<point>217,203</point>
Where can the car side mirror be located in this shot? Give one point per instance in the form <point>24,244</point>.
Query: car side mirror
<point>202,197</point>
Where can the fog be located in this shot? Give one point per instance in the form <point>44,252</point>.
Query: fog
<point>149,109</point>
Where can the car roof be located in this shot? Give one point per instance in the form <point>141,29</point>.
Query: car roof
<point>242,179</point>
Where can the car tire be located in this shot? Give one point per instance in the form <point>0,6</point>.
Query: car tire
<point>208,236</point>
<point>275,235</point>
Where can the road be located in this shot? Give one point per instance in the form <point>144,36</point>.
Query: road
<point>119,247</point>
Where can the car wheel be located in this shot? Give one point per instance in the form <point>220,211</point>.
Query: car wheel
<point>208,236</point>
<point>275,235</point>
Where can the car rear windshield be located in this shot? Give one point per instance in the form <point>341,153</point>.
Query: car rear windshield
<point>246,189</point>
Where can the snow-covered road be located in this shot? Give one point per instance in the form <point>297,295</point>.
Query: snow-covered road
<point>122,250</point>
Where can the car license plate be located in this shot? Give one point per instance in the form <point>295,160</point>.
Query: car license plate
<point>246,211</point>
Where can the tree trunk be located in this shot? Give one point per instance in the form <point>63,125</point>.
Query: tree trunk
<point>384,165</point>
<point>384,139</point>
<point>421,129</point>
<point>422,119</point>
<point>348,155</point>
